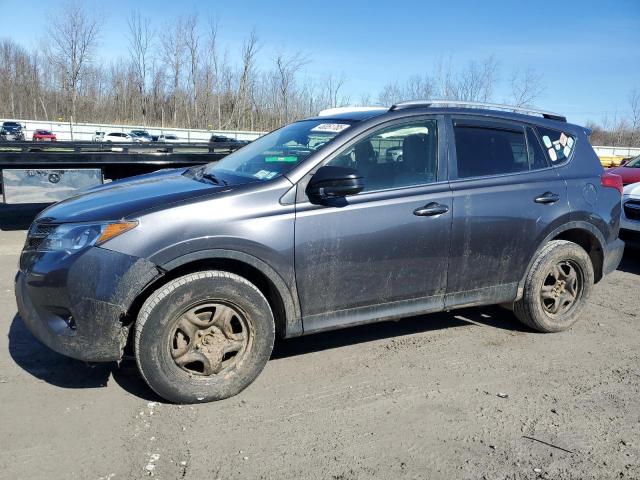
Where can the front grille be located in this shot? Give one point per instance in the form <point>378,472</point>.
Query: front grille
<point>632,209</point>
<point>37,234</point>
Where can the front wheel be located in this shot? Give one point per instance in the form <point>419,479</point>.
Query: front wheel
<point>204,336</point>
<point>556,288</point>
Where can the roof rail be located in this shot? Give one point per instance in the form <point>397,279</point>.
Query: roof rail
<point>488,106</point>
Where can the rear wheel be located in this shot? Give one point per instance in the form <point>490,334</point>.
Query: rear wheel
<point>204,336</point>
<point>556,288</point>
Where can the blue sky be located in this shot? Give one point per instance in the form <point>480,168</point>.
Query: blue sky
<point>588,51</point>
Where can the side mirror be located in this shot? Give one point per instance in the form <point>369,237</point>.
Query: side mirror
<point>334,182</point>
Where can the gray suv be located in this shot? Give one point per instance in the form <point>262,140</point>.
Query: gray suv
<point>322,225</point>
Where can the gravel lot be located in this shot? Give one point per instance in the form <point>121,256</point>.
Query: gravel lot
<point>466,394</point>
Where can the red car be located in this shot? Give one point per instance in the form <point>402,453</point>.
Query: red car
<point>630,171</point>
<point>44,136</point>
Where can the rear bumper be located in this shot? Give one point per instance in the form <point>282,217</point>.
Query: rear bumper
<point>612,256</point>
<point>75,305</point>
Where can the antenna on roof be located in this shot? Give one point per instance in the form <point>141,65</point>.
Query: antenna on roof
<point>487,106</point>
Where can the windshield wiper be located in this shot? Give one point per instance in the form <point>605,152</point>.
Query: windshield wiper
<point>213,178</point>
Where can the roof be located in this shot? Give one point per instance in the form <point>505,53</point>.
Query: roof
<point>443,106</point>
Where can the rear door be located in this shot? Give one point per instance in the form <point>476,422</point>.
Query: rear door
<point>504,195</point>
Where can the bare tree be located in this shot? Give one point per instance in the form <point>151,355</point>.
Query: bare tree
<point>141,37</point>
<point>417,87</point>
<point>73,35</point>
<point>249,50</point>
<point>477,81</point>
<point>634,103</point>
<point>332,87</point>
<point>192,44</point>
<point>173,47</point>
<point>526,87</point>
<point>286,70</point>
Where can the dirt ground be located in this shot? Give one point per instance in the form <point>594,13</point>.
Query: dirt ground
<point>466,394</point>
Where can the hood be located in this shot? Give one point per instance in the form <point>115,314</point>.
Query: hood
<point>125,198</point>
<point>632,190</point>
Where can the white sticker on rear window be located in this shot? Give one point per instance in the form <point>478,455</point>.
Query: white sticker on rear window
<point>563,139</point>
<point>330,127</point>
<point>552,154</point>
<point>547,141</point>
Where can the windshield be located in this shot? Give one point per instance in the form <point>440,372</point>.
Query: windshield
<point>278,152</point>
<point>634,162</point>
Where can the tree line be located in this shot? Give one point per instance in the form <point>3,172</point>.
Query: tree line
<point>180,75</point>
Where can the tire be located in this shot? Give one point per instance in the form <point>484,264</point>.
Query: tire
<point>183,356</point>
<point>543,293</point>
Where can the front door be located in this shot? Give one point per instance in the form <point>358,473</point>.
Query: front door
<point>382,253</point>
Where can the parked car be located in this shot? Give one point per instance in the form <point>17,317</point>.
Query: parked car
<point>119,137</point>
<point>98,137</point>
<point>141,135</point>
<point>43,136</point>
<point>228,140</point>
<point>169,138</point>
<point>630,171</point>
<point>200,268</point>
<point>630,222</point>
<point>394,154</point>
<point>12,131</point>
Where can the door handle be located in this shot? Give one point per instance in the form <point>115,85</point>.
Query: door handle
<point>547,198</point>
<point>431,209</point>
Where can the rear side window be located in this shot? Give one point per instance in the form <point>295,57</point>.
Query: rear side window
<point>483,151</point>
<point>557,144</point>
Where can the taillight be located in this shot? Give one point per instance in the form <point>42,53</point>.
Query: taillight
<point>611,180</point>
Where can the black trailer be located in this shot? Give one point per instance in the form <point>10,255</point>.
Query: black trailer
<point>47,172</point>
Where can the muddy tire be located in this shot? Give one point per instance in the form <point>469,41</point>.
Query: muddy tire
<point>556,288</point>
<point>203,337</point>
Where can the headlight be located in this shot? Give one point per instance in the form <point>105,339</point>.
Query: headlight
<point>75,236</point>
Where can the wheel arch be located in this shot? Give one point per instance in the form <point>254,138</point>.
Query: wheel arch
<point>581,233</point>
<point>283,302</point>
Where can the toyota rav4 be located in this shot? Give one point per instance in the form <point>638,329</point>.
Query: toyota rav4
<point>351,217</point>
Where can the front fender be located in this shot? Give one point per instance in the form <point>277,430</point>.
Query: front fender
<point>287,290</point>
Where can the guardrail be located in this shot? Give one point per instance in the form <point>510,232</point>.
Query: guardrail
<point>85,131</point>
<point>625,152</point>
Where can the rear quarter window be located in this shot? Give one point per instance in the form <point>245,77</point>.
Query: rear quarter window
<point>557,144</point>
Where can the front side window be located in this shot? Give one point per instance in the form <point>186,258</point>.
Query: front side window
<point>398,156</point>
<point>277,152</point>
<point>483,150</point>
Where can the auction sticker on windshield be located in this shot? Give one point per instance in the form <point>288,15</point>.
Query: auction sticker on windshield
<point>330,127</point>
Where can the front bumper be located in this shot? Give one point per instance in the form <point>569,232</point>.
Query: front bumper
<point>629,225</point>
<point>631,238</point>
<point>75,303</point>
